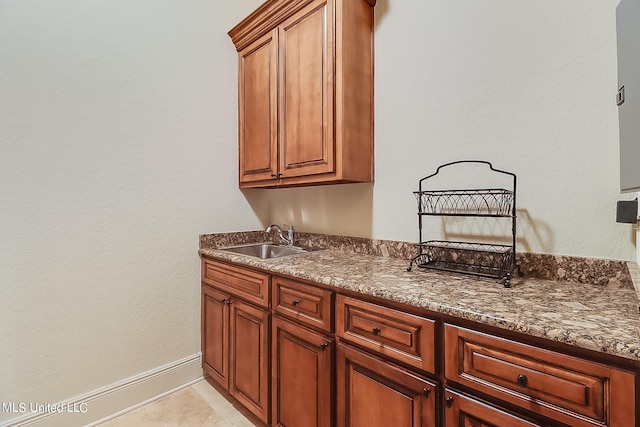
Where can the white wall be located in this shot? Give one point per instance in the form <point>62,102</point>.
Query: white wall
<point>117,148</point>
<point>527,85</point>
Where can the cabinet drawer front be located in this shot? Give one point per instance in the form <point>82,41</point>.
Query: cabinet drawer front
<point>307,304</point>
<point>402,336</point>
<point>240,282</point>
<point>550,383</point>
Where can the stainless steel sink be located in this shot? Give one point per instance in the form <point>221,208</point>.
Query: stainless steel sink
<point>264,250</point>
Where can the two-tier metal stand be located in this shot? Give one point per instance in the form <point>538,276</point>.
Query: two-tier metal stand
<point>479,259</point>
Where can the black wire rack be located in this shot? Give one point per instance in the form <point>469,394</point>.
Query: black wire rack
<point>475,258</point>
<point>486,202</point>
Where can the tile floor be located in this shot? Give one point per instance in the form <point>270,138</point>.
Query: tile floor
<point>194,406</point>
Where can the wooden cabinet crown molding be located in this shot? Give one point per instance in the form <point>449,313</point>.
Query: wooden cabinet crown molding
<point>265,18</point>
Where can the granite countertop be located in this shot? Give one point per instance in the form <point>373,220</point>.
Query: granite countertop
<point>595,317</point>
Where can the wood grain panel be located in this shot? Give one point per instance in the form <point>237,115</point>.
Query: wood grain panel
<point>462,411</point>
<point>306,96</point>
<point>258,110</point>
<point>302,376</point>
<point>354,80</point>
<point>241,282</point>
<point>249,358</point>
<point>402,336</point>
<point>307,304</point>
<point>565,388</point>
<point>215,335</point>
<point>375,393</point>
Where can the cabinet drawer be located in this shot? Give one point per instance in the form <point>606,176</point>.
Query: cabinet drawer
<point>247,284</point>
<point>402,336</point>
<point>307,304</point>
<point>571,390</point>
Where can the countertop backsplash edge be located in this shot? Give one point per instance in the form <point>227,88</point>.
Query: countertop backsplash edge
<point>592,271</point>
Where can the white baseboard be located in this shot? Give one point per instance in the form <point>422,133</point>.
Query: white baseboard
<point>108,402</point>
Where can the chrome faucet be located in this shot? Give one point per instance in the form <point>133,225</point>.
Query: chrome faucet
<point>289,239</point>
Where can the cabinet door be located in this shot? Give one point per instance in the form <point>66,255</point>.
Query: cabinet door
<point>302,376</point>
<point>463,411</point>
<point>257,109</point>
<point>306,92</point>
<point>375,393</point>
<point>215,335</point>
<point>249,357</point>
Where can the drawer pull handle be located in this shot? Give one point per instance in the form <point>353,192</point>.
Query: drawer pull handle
<point>522,380</point>
<point>448,401</point>
<point>324,345</point>
<point>295,302</point>
<point>426,392</point>
<point>376,331</point>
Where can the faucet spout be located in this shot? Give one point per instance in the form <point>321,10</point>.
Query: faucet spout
<point>289,239</point>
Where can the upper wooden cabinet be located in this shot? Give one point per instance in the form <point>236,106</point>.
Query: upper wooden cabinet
<point>305,87</point>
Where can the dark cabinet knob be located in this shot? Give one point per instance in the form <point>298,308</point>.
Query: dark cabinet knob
<point>295,302</point>
<point>376,331</point>
<point>273,175</point>
<point>225,300</point>
<point>324,345</point>
<point>426,392</point>
<point>522,380</point>
<point>448,401</point>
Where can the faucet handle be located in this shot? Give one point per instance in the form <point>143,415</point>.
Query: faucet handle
<point>289,238</point>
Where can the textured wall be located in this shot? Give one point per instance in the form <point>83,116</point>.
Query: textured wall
<point>529,86</point>
<point>117,148</point>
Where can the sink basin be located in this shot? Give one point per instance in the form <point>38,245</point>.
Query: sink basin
<point>264,250</point>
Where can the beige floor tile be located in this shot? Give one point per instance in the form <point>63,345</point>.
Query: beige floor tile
<point>197,405</point>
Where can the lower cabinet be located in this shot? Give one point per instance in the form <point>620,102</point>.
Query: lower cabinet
<point>375,393</point>
<point>570,390</point>
<point>464,411</point>
<point>235,346</point>
<point>288,369</point>
<point>302,372</point>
